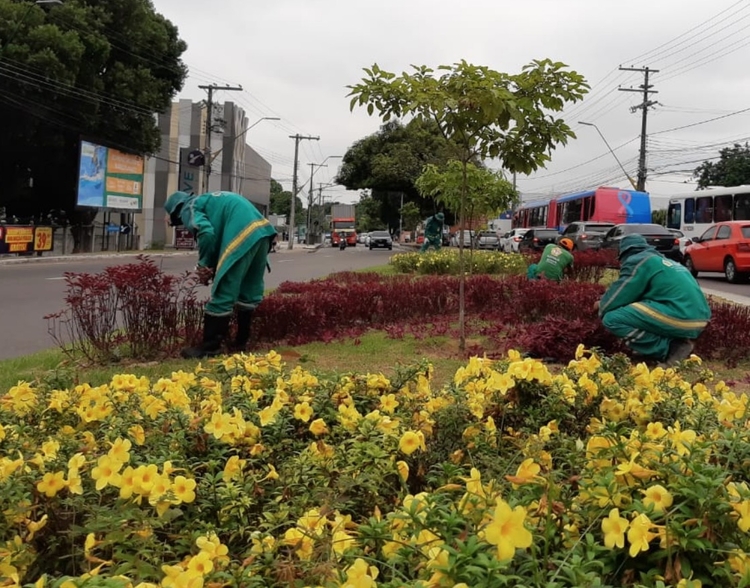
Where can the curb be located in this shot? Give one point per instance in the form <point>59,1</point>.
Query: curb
<point>87,256</point>
<point>735,298</point>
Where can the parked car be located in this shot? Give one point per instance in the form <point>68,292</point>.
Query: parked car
<point>468,238</point>
<point>723,247</point>
<point>379,239</point>
<point>684,241</point>
<point>586,235</point>
<point>487,240</point>
<point>657,236</point>
<point>536,240</point>
<point>510,240</point>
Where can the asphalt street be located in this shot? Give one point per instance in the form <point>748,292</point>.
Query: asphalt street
<point>32,290</point>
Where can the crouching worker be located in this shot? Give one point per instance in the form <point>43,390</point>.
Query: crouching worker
<point>555,261</point>
<point>233,242</point>
<point>655,306</point>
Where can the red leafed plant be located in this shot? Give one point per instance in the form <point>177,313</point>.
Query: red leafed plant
<point>133,310</point>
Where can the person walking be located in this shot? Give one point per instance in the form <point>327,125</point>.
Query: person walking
<point>233,244</point>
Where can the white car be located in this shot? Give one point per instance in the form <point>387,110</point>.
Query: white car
<point>510,240</point>
<point>684,241</point>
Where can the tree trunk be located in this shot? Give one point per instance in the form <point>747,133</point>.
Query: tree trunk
<point>461,270</point>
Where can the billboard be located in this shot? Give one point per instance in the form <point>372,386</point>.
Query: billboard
<point>109,178</point>
<point>25,239</point>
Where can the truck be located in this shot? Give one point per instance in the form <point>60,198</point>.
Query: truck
<point>342,225</point>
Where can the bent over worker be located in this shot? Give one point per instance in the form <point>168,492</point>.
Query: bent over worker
<point>655,305</point>
<point>433,232</point>
<point>556,259</point>
<point>233,242</point>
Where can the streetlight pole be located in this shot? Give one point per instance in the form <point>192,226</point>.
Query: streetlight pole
<point>23,19</point>
<point>311,196</point>
<point>627,175</point>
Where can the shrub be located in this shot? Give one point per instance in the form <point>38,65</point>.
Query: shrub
<point>445,262</point>
<point>133,310</point>
<point>247,474</point>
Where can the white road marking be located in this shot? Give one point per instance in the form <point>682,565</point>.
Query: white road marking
<point>60,278</point>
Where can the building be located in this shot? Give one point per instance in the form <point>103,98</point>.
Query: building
<point>234,167</point>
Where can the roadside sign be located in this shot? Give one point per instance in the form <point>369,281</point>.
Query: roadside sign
<point>25,239</point>
<point>183,239</point>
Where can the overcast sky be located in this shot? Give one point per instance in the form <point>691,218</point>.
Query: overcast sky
<point>294,58</point>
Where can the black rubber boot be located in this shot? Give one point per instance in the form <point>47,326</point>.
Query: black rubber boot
<point>214,331</point>
<point>244,320</point>
<point>679,350</point>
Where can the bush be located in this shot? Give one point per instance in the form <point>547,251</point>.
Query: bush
<point>445,262</point>
<point>247,474</point>
<point>132,310</point>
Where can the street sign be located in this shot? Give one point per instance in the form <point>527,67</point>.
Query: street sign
<point>196,158</point>
<point>183,239</point>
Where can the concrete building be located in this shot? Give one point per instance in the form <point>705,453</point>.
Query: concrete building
<point>235,166</point>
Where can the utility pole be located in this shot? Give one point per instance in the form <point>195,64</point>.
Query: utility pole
<point>211,88</point>
<point>297,138</point>
<point>310,201</point>
<point>644,106</point>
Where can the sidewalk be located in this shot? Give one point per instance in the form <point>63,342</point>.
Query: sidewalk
<point>729,297</point>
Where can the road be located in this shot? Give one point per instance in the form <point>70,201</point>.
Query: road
<point>32,290</point>
<point>716,282</point>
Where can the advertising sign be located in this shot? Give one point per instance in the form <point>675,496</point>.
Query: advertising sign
<point>109,179</point>
<point>25,239</point>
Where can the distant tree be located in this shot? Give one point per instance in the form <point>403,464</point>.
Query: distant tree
<point>659,217</point>
<point>98,69</point>
<point>368,214</point>
<point>732,169</point>
<point>388,163</point>
<point>411,216</point>
<point>281,200</point>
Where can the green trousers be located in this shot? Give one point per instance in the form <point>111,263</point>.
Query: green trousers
<point>642,334</point>
<point>435,242</point>
<point>243,284</point>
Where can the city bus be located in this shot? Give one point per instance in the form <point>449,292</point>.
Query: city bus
<point>694,212</point>
<point>603,205</point>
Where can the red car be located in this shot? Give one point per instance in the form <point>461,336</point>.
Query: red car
<point>724,247</point>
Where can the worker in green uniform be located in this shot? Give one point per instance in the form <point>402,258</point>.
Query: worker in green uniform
<point>433,232</point>
<point>556,259</point>
<point>233,243</point>
<point>656,306</point>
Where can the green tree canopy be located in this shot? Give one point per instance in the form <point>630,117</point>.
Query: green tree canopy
<point>389,162</point>
<point>95,69</point>
<point>281,201</point>
<point>732,169</point>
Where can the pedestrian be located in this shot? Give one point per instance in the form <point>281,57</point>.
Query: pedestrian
<point>555,262</point>
<point>433,232</point>
<point>655,306</point>
<point>233,243</point>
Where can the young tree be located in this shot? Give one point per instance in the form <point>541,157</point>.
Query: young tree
<point>410,215</point>
<point>481,113</point>
<point>732,169</point>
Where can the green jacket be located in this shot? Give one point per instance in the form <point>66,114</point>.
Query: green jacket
<point>225,224</point>
<point>433,227</point>
<point>660,289</point>
<point>553,262</point>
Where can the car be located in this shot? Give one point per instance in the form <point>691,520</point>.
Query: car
<point>684,241</point>
<point>586,235</point>
<point>510,240</point>
<point>535,240</point>
<point>487,240</point>
<point>723,247</point>
<point>468,238</point>
<point>657,236</point>
<point>380,239</point>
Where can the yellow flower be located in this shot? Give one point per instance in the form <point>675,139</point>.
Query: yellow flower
<point>303,412</point>
<point>639,534</point>
<point>51,483</point>
<point>411,441</point>
<point>233,468</point>
<point>50,449</point>
<point>201,564</point>
<point>74,482</point>
<point>388,403</point>
<point>614,527</point>
<point>137,433</point>
<point>212,545</point>
<point>120,450</point>
<point>507,531</point>
<point>526,472</point>
<point>360,575</point>
<point>403,470</point>
<point>658,497</point>
<point>318,427</point>
<point>184,489</point>
<point>685,583</point>
<point>221,424</point>
<point>106,472</point>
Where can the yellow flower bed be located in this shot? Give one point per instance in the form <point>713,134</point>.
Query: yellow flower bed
<point>245,473</point>
<point>445,262</point>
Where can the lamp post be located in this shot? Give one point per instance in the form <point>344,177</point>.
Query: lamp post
<point>627,175</point>
<point>310,196</point>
